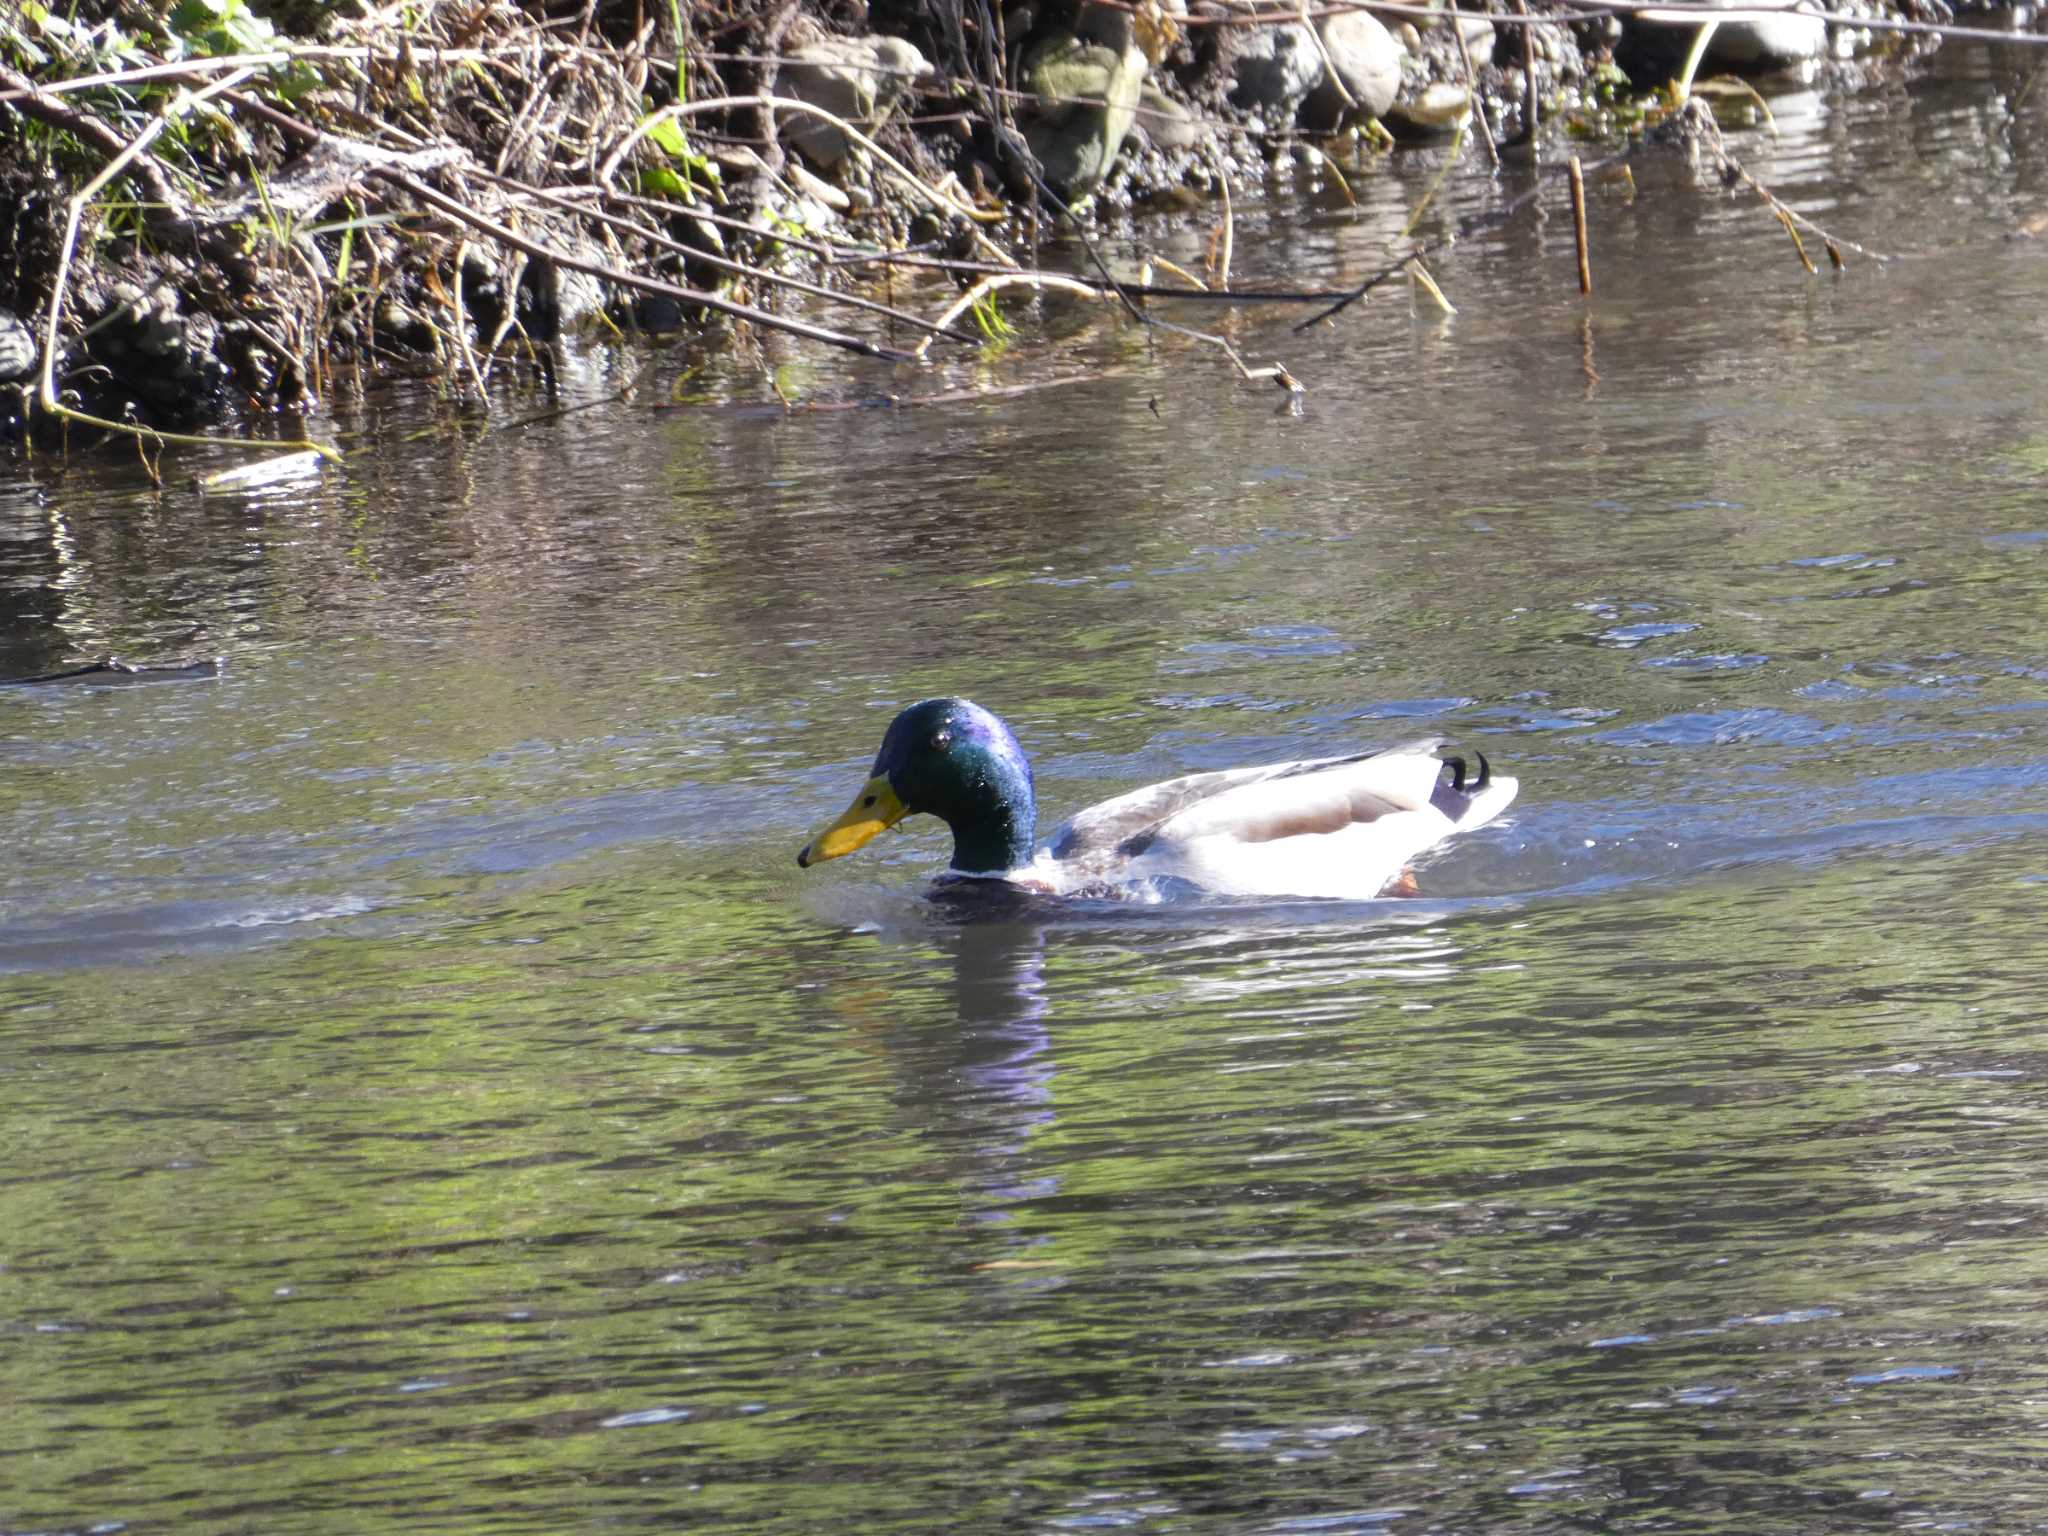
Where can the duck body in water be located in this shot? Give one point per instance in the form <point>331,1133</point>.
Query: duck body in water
<point>1341,828</point>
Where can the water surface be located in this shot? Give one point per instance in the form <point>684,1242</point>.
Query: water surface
<point>437,1100</point>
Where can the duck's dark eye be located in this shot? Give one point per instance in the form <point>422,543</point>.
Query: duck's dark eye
<point>942,740</point>
<point>868,804</point>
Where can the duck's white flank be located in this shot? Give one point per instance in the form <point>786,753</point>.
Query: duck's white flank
<point>1337,828</point>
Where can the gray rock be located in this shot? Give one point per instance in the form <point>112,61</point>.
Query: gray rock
<point>657,313</point>
<point>1112,26</point>
<point>1548,42</point>
<point>578,296</point>
<point>1480,38</point>
<point>1273,71</point>
<point>1438,108</point>
<point>1084,100</point>
<point>856,78</point>
<point>1368,61</point>
<point>145,324</point>
<point>160,357</point>
<point>562,298</point>
<point>1654,49</point>
<point>1164,122</point>
<point>400,322</point>
<point>1770,42</point>
<point>1020,20</point>
<point>18,349</point>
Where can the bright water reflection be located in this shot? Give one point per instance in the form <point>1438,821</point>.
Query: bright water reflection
<point>438,1102</point>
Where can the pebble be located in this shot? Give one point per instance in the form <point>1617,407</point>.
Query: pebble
<point>17,349</point>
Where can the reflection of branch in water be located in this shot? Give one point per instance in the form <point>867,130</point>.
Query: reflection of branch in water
<point>115,670</point>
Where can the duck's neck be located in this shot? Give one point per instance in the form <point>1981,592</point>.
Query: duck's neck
<point>998,839</point>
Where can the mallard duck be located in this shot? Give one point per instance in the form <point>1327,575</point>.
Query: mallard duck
<point>1337,827</point>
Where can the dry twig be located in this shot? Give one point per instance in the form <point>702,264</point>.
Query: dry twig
<point>132,152</point>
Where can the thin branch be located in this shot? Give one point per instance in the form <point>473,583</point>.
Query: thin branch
<point>1238,296</point>
<point>43,105</point>
<point>789,407</point>
<point>1693,125</point>
<point>1229,231</point>
<point>461,329</point>
<point>47,381</point>
<point>1466,227</point>
<point>413,54</point>
<point>1532,103</point>
<point>1583,10</point>
<point>989,285</point>
<point>1330,71</point>
<point>462,214</point>
<point>1794,221</point>
<point>1454,19</point>
<point>518,242</point>
<point>758,274</point>
<point>1579,224</point>
<point>896,167</point>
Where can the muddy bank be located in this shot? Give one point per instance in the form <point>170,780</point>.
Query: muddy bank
<point>245,207</point>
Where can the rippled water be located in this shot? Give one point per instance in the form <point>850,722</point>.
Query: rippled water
<point>435,1099</point>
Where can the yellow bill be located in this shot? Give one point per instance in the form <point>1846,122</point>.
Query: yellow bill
<point>874,810</point>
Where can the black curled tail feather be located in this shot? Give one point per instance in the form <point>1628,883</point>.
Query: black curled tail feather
<point>1456,764</point>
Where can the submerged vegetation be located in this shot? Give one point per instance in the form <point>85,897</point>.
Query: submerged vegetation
<point>250,204</point>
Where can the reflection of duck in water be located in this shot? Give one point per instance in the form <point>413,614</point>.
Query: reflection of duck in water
<point>1337,827</point>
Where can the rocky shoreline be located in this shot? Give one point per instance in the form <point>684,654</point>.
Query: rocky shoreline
<point>277,202</point>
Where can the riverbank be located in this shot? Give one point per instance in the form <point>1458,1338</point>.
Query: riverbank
<point>244,209</point>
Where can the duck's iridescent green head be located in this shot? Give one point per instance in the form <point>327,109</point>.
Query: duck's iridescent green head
<point>954,760</point>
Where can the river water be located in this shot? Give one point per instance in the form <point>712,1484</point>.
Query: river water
<point>435,1100</point>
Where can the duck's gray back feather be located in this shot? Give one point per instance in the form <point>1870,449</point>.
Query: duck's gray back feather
<point>1127,824</point>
